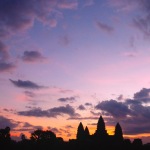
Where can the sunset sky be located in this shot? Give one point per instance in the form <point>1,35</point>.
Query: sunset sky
<point>67,61</point>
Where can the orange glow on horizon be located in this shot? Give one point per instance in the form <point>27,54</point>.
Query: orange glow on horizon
<point>137,135</point>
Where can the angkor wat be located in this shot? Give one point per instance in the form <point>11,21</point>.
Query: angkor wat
<point>84,141</point>
<point>101,134</point>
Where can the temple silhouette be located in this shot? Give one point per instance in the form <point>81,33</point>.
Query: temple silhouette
<point>102,140</point>
<point>100,135</point>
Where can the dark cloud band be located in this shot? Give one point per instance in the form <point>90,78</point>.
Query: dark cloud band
<point>26,84</point>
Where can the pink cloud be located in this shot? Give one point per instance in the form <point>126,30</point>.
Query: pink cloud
<point>130,54</point>
<point>53,23</point>
<point>64,4</point>
<point>124,6</point>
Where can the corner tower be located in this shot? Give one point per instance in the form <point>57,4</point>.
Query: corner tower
<point>118,133</point>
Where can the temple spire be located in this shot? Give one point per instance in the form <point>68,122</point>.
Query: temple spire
<point>118,132</point>
<point>87,132</point>
<point>80,132</point>
<point>101,131</point>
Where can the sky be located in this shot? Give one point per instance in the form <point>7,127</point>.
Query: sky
<point>63,62</point>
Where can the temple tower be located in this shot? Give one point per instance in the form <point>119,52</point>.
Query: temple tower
<point>80,132</point>
<point>118,133</point>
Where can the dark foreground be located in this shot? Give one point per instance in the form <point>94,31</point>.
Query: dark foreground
<point>71,145</point>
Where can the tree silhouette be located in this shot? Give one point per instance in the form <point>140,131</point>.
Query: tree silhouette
<point>39,135</point>
<point>36,135</point>
<point>5,134</point>
<point>23,137</point>
<point>137,143</point>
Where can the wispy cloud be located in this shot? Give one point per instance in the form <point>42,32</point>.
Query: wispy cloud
<point>26,84</point>
<point>29,94</point>
<point>140,21</point>
<point>142,24</point>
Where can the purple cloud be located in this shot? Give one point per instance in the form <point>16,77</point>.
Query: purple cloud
<point>64,110</point>
<point>7,122</point>
<point>53,112</point>
<point>67,99</point>
<point>120,97</point>
<point>26,84</point>
<point>81,107</point>
<point>17,16</point>
<point>6,67</point>
<point>143,95</point>
<point>104,27</point>
<point>116,109</point>
<point>88,104</point>
<point>32,56</point>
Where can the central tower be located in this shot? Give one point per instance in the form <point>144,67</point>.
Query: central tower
<point>101,131</point>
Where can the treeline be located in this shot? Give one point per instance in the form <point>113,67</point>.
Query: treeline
<point>47,140</point>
